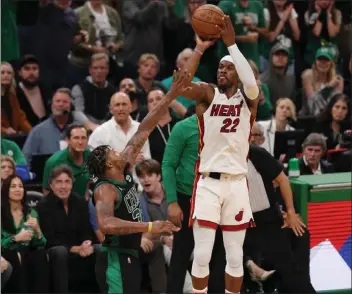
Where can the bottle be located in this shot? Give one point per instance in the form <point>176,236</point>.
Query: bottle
<point>293,168</point>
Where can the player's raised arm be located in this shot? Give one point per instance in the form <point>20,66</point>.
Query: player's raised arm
<point>181,81</point>
<point>243,68</point>
<point>106,196</point>
<point>198,91</point>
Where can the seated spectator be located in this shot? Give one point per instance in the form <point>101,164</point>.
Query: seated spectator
<point>128,86</point>
<point>323,22</point>
<point>320,83</point>
<point>74,156</point>
<point>334,120</point>
<point>283,28</point>
<point>285,111</point>
<point>265,107</point>
<point>11,149</point>
<point>53,127</point>
<point>155,208</point>
<point>280,82</point>
<point>343,164</point>
<point>8,167</point>
<point>65,222</point>
<point>91,98</point>
<point>104,28</point>
<point>13,118</point>
<point>159,136</point>
<point>6,272</point>
<point>22,241</point>
<point>148,68</point>
<point>181,61</point>
<point>257,134</point>
<point>117,131</point>
<point>314,148</point>
<point>32,96</point>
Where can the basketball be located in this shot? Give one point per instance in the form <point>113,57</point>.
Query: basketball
<point>204,20</point>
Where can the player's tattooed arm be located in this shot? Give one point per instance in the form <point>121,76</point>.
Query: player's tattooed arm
<point>106,196</point>
<point>180,84</point>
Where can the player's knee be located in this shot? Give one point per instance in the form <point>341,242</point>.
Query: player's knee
<point>202,254</point>
<point>234,260</point>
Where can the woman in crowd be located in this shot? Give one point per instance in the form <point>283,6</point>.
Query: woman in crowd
<point>8,167</point>
<point>285,111</point>
<point>320,83</point>
<point>13,118</point>
<point>282,22</point>
<point>334,120</point>
<point>22,242</point>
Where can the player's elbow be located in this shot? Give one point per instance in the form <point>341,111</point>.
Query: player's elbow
<point>252,92</point>
<point>103,224</point>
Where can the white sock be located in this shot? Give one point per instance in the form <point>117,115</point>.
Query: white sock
<point>205,290</point>
<point>226,291</point>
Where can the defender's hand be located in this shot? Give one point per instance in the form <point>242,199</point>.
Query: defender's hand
<point>175,214</point>
<point>227,31</point>
<point>181,82</point>
<point>163,227</point>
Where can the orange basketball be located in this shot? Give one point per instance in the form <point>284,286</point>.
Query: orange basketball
<point>204,20</point>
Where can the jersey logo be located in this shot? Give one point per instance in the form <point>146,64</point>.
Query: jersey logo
<point>226,110</point>
<point>128,178</point>
<point>133,204</point>
<point>239,216</point>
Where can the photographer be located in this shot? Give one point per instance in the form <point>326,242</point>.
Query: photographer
<point>103,25</point>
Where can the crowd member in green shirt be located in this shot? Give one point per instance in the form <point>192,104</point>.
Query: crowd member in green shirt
<point>20,234</point>
<point>179,160</point>
<point>248,20</point>
<point>75,156</point>
<point>11,149</point>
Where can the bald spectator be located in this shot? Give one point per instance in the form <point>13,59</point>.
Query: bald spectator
<point>314,147</point>
<point>181,60</point>
<point>91,97</point>
<point>117,131</point>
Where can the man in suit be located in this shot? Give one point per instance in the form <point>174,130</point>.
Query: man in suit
<point>314,147</point>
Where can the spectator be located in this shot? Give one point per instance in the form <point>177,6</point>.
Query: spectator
<point>91,98</point>
<point>22,241</point>
<point>280,82</point>
<point>311,163</point>
<point>74,156</point>
<point>159,136</point>
<point>180,157</point>
<point>265,107</point>
<point>8,167</point>
<point>117,131</point>
<point>148,68</point>
<point>334,120</point>
<point>65,222</point>
<point>181,61</point>
<point>55,30</point>
<point>257,134</point>
<point>32,96</point>
<point>268,238</point>
<point>103,25</point>
<point>323,21</point>
<point>11,149</point>
<point>13,118</point>
<point>283,28</point>
<point>248,20</point>
<point>53,127</point>
<point>128,86</point>
<point>6,272</point>
<point>285,111</point>
<point>320,83</point>
<point>343,164</point>
<point>144,23</point>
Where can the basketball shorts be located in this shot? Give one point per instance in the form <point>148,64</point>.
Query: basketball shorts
<point>118,273</point>
<point>223,202</point>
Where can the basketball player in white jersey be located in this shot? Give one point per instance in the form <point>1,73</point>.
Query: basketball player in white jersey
<point>220,195</point>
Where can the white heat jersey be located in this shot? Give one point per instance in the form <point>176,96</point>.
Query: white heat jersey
<point>224,135</point>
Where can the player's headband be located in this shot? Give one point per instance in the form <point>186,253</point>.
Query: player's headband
<point>227,58</point>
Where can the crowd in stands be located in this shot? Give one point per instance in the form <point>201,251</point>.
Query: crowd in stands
<point>76,74</point>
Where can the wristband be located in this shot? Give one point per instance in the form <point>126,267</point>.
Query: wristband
<point>197,50</point>
<point>150,226</point>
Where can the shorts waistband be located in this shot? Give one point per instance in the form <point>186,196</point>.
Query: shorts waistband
<point>223,176</point>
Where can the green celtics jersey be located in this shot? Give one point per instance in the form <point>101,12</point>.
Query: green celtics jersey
<point>128,208</point>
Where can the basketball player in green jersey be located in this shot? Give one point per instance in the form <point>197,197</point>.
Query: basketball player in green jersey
<point>117,203</point>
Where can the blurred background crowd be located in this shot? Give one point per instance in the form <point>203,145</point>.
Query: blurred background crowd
<point>78,74</point>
